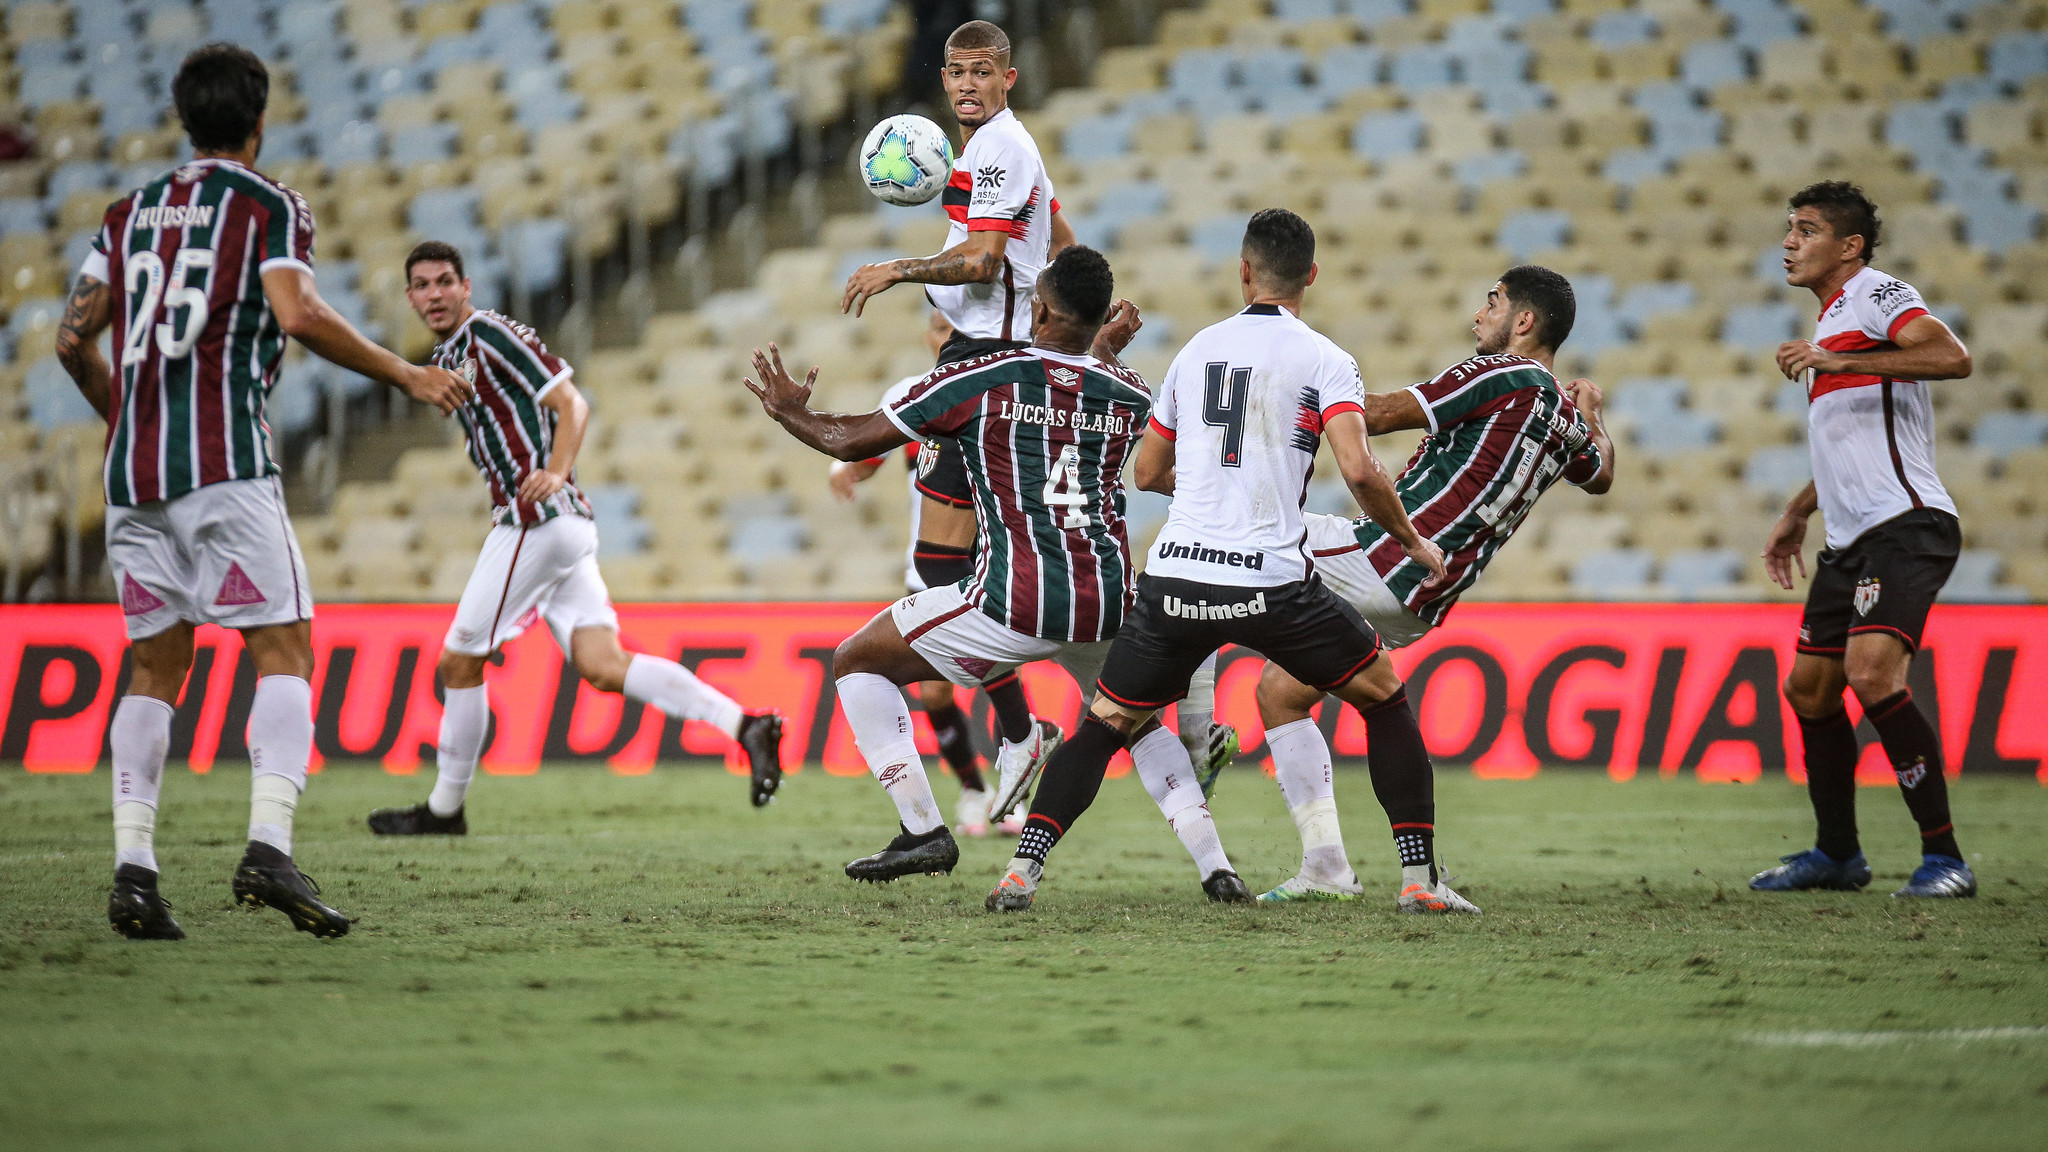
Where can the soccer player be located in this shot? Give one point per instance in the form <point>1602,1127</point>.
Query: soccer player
<point>1892,539</point>
<point>1046,430</point>
<point>201,274</point>
<point>1238,421</point>
<point>525,425</point>
<point>1501,432</point>
<point>1005,227</point>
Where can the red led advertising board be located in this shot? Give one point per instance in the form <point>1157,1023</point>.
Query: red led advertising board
<point>1503,688</point>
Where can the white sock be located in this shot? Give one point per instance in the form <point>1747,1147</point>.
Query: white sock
<point>1169,777</point>
<point>280,743</point>
<point>677,692</point>
<point>465,721</point>
<point>1197,710</point>
<point>880,720</point>
<point>1301,766</point>
<point>139,738</point>
<point>1422,874</point>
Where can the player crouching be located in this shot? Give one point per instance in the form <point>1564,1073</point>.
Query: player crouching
<point>525,425</point>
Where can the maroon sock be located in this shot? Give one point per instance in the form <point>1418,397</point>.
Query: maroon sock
<point>1914,749</point>
<point>1831,782</point>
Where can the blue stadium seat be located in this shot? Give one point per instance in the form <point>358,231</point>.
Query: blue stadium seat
<point>1647,398</point>
<point>1272,70</point>
<point>99,24</point>
<point>1760,325</point>
<point>536,252</point>
<point>2000,434</point>
<point>1483,168</point>
<point>1914,20</point>
<point>1517,11</point>
<point>1201,70</point>
<point>1506,101</point>
<point>1491,65</point>
<point>1642,301</point>
<point>1971,185</point>
<point>1760,26</point>
<point>53,398</point>
<point>1284,107</point>
<point>34,315</point>
<point>1975,580</point>
<point>22,214</point>
<point>51,84</point>
<point>1622,28</point>
<point>1130,200</point>
<point>536,112</point>
<point>1370,13</point>
<point>1613,573</point>
<point>1219,238</point>
<point>1629,167</point>
<point>2017,57</point>
<point>247,24</point>
<point>1468,32</point>
<point>1667,99</point>
<point>1779,469</point>
<point>613,501</point>
<point>1422,68</point>
<point>312,24</point>
<point>1711,63</point>
<point>356,142</point>
<point>1382,136</point>
<point>439,210</point>
<point>1349,67</point>
<point>852,17</point>
<point>294,404</point>
<point>77,176</point>
<point>511,20</point>
<point>424,144</point>
<point>1298,11</point>
<point>1675,135</point>
<point>1678,432</point>
<point>1996,225</point>
<point>1790,399</point>
<point>1707,574</point>
<point>1525,233</point>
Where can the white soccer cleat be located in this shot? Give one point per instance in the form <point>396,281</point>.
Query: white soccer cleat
<point>1018,766</point>
<point>1018,886</point>
<point>1013,824</point>
<point>1440,900</point>
<point>1301,887</point>
<point>970,816</point>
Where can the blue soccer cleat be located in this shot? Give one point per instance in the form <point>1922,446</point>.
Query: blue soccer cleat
<point>1940,877</point>
<point>1813,868</point>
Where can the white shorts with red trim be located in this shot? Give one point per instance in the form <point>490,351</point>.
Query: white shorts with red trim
<point>545,571</point>
<point>223,554</point>
<point>1343,566</point>
<point>970,648</point>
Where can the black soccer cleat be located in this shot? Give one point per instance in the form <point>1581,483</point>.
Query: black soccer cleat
<point>1223,887</point>
<point>933,853</point>
<point>761,739</point>
<point>137,910</point>
<point>267,878</point>
<point>417,820</point>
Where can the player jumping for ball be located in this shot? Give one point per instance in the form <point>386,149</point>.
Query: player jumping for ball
<point>202,273</point>
<point>1045,431</point>
<point>525,425</point>
<point>1892,539</point>
<point>1501,433</point>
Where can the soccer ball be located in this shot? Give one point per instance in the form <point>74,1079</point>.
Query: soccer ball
<point>906,160</point>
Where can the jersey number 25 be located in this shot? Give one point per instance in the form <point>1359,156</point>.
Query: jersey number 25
<point>146,284</point>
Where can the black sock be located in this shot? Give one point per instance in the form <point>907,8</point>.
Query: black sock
<point>265,855</point>
<point>1013,711</point>
<point>1914,749</point>
<point>1068,787</point>
<point>1402,778</point>
<point>956,744</point>
<point>1831,783</point>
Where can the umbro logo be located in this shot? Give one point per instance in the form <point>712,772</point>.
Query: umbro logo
<point>1065,377</point>
<point>891,774</point>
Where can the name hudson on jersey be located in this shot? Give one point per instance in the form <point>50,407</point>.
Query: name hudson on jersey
<point>1203,610</point>
<point>175,216</point>
<point>1256,561</point>
<point>1104,422</point>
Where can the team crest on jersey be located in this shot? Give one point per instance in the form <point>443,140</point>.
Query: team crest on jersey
<point>190,174</point>
<point>1063,376</point>
<point>1866,595</point>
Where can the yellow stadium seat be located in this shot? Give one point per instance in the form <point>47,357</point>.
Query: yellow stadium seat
<point>1939,59</point>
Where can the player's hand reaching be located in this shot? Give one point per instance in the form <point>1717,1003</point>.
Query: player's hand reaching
<point>1587,398</point>
<point>1798,356</point>
<point>540,484</point>
<point>1783,550</point>
<point>1425,552</point>
<point>437,386</point>
<point>779,393</point>
<point>844,476</point>
<point>867,280</point>
<point>1122,325</point>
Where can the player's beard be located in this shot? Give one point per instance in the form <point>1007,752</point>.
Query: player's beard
<point>1492,342</point>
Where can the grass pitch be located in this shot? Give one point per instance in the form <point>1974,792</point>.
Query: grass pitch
<point>622,962</point>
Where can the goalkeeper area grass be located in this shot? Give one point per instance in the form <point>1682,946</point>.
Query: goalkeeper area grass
<point>619,962</point>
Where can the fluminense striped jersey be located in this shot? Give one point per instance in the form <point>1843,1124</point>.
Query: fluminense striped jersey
<point>195,344</point>
<point>1045,437</point>
<point>1501,431</point>
<point>510,432</point>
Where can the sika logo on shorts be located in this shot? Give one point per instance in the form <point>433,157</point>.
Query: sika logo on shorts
<point>1866,595</point>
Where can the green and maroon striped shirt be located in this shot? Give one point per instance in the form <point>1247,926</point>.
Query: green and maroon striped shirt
<point>510,432</point>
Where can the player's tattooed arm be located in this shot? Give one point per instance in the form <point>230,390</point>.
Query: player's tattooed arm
<point>975,260</point>
<point>788,403</point>
<point>1927,350</point>
<point>87,314</point>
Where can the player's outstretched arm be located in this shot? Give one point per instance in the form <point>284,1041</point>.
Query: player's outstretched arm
<point>572,419</point>
<point>1374,490</point>
<point>87,314</point>
<point>1586,397</point>
<point>1927,350</point>
<point>1393,412</point>
<point>311,321</point>
<point>975,260</point>
<point>788,403</point>
<point>1782,549</point>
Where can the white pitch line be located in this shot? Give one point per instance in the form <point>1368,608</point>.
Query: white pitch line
<point>1875,1039</point>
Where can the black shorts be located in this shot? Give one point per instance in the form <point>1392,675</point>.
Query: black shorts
<point>941,466</point>
<point>1884,582</point>
<point>938,564</point>
<point>1303,627</point>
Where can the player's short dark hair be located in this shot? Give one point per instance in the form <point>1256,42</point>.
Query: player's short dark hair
<point>434,250</point>
<point>1846,209</point>
<point>1080,280</point>
<point>221,91</point>
<point>1546,293</point>
<point>979,35</point>
<point>1281,245</point>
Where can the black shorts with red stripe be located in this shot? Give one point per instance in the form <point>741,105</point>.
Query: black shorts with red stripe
<point>941,465</point>
<point>1305,628</point>
<point>1885,581</point>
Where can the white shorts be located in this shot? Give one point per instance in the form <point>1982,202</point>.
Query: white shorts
<point>969,648</point>
<point>545,571</point>
<point>1342,564</point>
<point>224,554</point>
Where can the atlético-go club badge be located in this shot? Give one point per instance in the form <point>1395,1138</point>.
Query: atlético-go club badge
<point>1866,595</point>
<point>927,458</point>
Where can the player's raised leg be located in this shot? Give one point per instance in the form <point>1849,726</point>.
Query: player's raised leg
<point>1212,746</point>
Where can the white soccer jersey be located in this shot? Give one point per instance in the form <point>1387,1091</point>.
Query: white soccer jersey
<point>998,185</point>
<point>1244,404</point>
<point>1872,437</point>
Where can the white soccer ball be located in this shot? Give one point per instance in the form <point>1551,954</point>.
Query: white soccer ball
<point>906,160</point>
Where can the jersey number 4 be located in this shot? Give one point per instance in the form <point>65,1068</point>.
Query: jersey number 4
<point>1063,489</point>
<point>1223,407</point>
<point>150,288</point>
